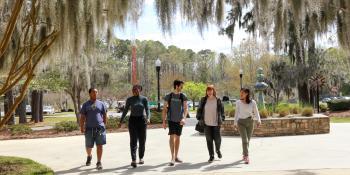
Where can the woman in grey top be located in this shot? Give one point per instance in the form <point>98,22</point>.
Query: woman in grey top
<point>139,118</point>
<point>211,114</point>
<point>245,114</point>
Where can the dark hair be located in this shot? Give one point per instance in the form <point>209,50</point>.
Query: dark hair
<point>91,89</point>
<point>137,86</point>
<point>178,83</point>
<point>247,91</point>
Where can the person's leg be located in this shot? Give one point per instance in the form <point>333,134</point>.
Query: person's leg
<point>172,146</point>
<point>88,151</point>
<point>133,139</point>
<point>176,146</point>
<point>99,152</point>
<point>217,140</point>
<point>209,138</point>
<point>177,141</point>
<point>250,129</point>
<point>89,144</point>
<point>243,132</point>
<point>142,133</point>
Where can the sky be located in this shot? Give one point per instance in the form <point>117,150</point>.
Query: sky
<point>186,36</point>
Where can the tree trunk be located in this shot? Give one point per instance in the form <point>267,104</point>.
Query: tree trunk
<point>22,111</point>
<point>41,115</point>
<point>35,106</point>
<point>8,104</point>
<point>303,93</point>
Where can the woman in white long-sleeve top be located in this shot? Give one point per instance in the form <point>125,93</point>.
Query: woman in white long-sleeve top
<point>246,113</point>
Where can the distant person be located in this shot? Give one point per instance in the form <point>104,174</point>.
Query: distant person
<point>174,113</point>
<point>211,114</point>
<point>93,120</point>
<point>139,118</point>
<point>246,113</point>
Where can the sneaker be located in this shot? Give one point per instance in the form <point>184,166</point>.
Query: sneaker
<point>141,162</point>
<point>246,161</point>
<point>211,159</point>
<point>219,154</point>
<point>133,164</point>
<point>243,158</point>
<point>178,160</point>
<point>88,160</point>
<point>99,166</point>
<point>172,163</point>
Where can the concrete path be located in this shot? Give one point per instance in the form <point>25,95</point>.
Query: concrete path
<point>288,155</point>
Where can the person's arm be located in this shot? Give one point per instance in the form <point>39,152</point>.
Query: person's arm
<point>125,111</point>
<point>82,122</point>
<point>105,115</point>
<point>148,114</point>
<point>222,111</point>
<point>200,110</point>
<point>236,113</point>
<point>256,111</point>
<point>164,113</point>
<point>185,107</point>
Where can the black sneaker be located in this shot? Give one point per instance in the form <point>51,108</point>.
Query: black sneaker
<point>178,160</point>
<point>211,159</point>
<point>99,166</point>
<point>88,160</point>
<point>219,154</point>
<point>141,162</point>
<point>133,164</point>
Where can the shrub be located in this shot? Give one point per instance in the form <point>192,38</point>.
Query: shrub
<point>294,109</point>
<point>283,111</point>
<point>339,105</point>
<point>323,107</point>
<point>232,113</point>
<point>156,117</point>
<point>20,129</point>
<point>66,126</point>
<point>307,111</point>
<point>112,123</point>
<point>264,113</point>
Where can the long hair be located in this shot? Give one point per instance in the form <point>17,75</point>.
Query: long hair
<point>210,87</point>
<point>247,91</point>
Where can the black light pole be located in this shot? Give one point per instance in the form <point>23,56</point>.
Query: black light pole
<point>158,63</point>
<point>240,77</point>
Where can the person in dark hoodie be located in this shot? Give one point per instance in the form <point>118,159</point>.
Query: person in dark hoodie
<point>211,114</point>
<point>139,118</point>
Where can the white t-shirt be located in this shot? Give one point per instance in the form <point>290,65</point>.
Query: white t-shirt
<point>244,111</point>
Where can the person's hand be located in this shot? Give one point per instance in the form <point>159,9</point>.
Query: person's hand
<point>183,122</point>
<point>235,126</point>
<point>82,129</point>
<point>258,124</point>
<point>164,124</point>
<point>148,121</point>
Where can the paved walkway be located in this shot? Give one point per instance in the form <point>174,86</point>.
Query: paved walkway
<point>288,155</point>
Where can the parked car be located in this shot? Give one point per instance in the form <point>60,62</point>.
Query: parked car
<point>190,104</point>
<point>48,110</point>
<point>28,110</point>
<point>325,100</point>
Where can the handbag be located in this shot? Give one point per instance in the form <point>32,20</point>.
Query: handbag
<point>200,126</point>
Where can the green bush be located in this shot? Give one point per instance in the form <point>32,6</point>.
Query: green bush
<point>66,126</point>
<point>20,129</point>
<point>283,111</point>
<point>282,106</point>
<point>294,109</point>
<point>17,166</point>
<point>232,113</point>
<point>228,108</point>
<point>156,117</point>
<point>339,105</point>
<point>323,107</point>
<point>264,113</point>
<point>307,111</point>
<point>112,123</point>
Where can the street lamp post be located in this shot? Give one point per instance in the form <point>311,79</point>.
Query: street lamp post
<point>158,64</point>
<point>240,77</point>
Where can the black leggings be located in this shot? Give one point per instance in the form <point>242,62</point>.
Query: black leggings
<point>212,134</point>
<point>137,131</point>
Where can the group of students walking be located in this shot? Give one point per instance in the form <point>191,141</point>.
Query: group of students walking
<point>210,115</point>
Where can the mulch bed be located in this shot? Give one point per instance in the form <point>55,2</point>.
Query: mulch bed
<point>52,133</point>
<point>338,113</point>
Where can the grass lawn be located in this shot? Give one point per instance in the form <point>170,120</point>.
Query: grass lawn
<point>18,166</point>
<point>340,119</point>
<point>49,120</point>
